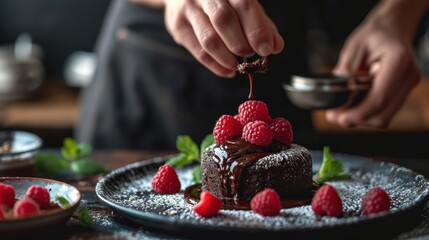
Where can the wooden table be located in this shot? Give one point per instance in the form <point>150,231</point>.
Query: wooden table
<point>109,225</point>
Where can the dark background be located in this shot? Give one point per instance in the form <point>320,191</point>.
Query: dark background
<point>62,27</point>
<point>59,26</point>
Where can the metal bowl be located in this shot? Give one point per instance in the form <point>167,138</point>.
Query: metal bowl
<point>21,69</point>
<point>19,79</point>
<point>324,91</point>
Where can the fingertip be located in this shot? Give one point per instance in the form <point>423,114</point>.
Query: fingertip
<point>331,116</point>
<point>230,74</point>
<point>278,44</point>
<point>265,49</point>
<point>345,122</point>
<point>340,70</point>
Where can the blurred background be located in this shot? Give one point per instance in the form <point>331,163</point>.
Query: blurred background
<point>55,40</point>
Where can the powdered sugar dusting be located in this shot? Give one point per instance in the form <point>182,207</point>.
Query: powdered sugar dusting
<point>129,187</point>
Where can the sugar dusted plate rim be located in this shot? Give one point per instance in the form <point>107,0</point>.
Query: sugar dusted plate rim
<point>108,187</point>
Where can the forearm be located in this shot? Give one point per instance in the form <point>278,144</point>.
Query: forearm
<point>404,14</point>
<point>151,3</point>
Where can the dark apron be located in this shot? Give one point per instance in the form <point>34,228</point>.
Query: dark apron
<point>147,89</point>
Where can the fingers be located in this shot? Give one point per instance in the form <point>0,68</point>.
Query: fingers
<point>209,39</point>
<point>396,76</point>
<point>351,58</point>
<point>278,39</point>
<point>257,27</point>
<point>183,33</point>
<point>227,24</point>
<point>217,31</point>
<point>189,41</point>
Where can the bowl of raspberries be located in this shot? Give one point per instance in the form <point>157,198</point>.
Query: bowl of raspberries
<point>27,204</point>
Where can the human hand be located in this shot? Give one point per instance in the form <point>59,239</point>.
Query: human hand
<point>382,48</point>
<point>215,32</point>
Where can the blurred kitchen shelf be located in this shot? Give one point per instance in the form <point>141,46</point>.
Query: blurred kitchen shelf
<point>51,114</point>
<point>54,107</point>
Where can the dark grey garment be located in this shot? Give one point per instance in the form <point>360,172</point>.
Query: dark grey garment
<point>147,89</point>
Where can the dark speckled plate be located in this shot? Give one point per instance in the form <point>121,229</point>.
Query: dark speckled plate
<point>128,191</point>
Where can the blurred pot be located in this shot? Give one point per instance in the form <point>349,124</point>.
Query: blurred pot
<point>21,70</point>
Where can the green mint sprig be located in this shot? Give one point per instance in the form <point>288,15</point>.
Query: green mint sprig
<point>74,157</point>
<point>189,153</point>
<point>84,217</point>
<point>62,201</point>
<point>83,214</point>
<point>331,169</point>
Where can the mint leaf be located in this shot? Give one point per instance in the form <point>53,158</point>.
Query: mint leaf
<point>84,217</point>
<point>70,149</point>
<point>329,165</point>
<point>189,151</point>
<point>206,142</point>
<point>87,167</point>
<point>63,201</point>
<point>180,160</point>
<point>51,164</point>
<point>331,169</point>
<point>186,145</point>
<point>196,174</point>
<point>83,150</point>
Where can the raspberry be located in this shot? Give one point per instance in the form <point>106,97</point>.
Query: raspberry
<point>252,110</point>
<point>282,130</point>
<point>208,206</point>
<point>237,117</point>
<point>7,195</point>
<point>1,213</point>
<point>165,180</point>
<point>226,128</point>
<point>258,133</point>
<point>40,195</point>
<point>25,207</point>
<point>326,201</point>
<point>266,203</point>
<point>375,200</point>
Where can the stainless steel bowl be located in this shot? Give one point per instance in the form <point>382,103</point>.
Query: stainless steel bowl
<point>21,69</point>
<point>19,79</point>
<point>324,91</point>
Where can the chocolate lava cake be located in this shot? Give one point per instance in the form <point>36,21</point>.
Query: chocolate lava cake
<point>237,169</point>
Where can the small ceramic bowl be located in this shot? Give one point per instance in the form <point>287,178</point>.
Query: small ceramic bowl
<point>49,218</point>
<point>17,150</point>
<point>324,91</point>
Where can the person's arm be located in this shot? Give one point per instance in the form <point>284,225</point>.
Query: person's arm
<point>381,46</point>
<point>215,32</point>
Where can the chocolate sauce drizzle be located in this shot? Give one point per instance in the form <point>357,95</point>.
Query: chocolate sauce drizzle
<point>233,156</point>
<point>260,65</point>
